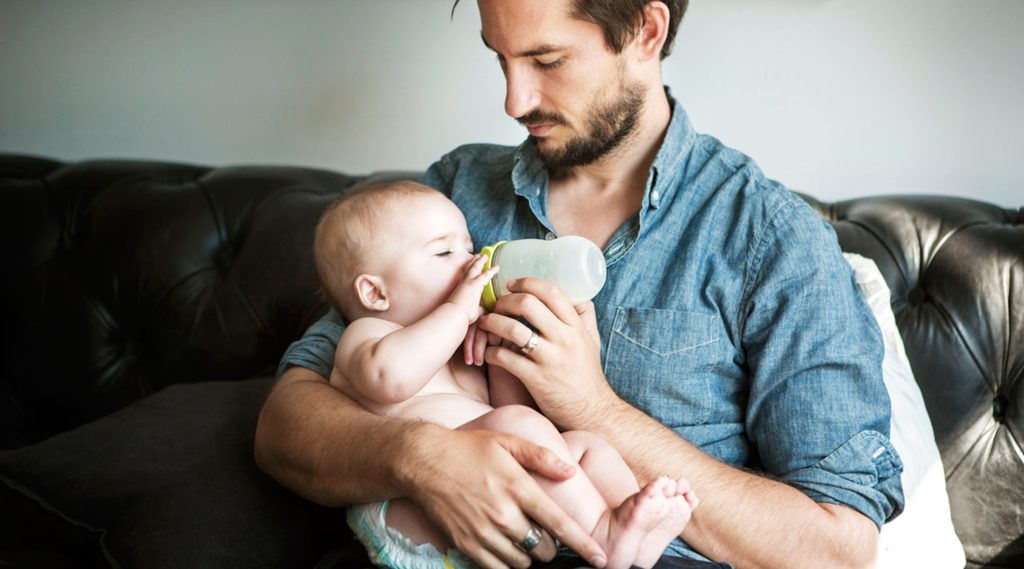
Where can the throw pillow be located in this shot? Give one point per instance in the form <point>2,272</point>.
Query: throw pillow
<point>923,535</point>
<point>169,481</point>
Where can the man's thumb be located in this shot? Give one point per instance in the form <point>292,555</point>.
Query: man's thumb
<point>540,460</point>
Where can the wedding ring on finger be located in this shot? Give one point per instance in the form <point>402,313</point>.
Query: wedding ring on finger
<point>530,344</point>
<point>532,539</point>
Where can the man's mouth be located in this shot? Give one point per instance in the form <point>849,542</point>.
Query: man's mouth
<point>539,129</point>
<point>538,122</point>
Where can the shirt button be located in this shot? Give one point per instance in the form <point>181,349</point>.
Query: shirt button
<point>655,196</point>
<point>536,192</point>
<point>549,236</point>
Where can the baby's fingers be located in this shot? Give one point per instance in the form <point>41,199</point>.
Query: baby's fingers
<point>479,348</point>
<point>487,275</point>
<point>476,266</point>
<point>470,341</point>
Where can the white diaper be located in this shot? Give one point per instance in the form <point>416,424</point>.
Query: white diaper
<point>387,547</point>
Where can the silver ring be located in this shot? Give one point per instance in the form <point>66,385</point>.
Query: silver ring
<point>530,344</point>
<point>531,541</point>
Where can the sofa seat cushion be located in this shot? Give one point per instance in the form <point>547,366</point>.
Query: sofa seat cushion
<point>169,481</point>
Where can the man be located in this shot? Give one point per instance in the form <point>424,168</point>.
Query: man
<point>735,349</point>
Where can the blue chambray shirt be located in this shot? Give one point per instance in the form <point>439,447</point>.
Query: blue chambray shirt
<point>729,315</point>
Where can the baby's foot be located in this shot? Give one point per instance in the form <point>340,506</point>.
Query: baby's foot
<point>644,521</point>
<point>680,502</point>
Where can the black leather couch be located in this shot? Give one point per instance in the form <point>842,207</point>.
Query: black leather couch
<point>125,277</point>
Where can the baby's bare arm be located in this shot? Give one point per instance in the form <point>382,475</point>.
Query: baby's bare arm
<point>387,363</point>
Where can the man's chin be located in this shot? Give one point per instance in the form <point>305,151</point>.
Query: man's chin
<point>549,153</point>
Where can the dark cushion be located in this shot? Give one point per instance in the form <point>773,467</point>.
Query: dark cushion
<point>169,481</point>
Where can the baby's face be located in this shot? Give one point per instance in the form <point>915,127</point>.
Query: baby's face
<point>431,250</point>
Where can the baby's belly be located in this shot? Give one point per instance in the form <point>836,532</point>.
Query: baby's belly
<point>446,409</point>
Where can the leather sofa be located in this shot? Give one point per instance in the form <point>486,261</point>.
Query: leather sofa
<point>125,278</point>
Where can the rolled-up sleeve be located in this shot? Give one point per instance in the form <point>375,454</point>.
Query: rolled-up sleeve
<point>818,412</point>
<point>863,473</point>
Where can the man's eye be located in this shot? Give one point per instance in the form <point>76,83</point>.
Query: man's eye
<point>549,65</point>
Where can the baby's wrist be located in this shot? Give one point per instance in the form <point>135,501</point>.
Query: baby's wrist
<point>470,314</point>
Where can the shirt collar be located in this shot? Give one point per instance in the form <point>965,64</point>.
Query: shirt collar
<point>675,150</point>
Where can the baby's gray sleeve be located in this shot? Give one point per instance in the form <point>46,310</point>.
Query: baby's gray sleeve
<point>315,350</point>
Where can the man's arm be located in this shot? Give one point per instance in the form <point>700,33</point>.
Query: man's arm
<point>320,444</point>
<point>304,441</point>
<point>744,518</point>
<point>748,520</point>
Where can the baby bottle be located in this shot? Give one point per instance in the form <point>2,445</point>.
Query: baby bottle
<point>572,263</point>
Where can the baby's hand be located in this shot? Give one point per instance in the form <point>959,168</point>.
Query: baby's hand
<point>467,293</point>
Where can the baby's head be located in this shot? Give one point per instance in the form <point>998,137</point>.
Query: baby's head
<point>394,251</point>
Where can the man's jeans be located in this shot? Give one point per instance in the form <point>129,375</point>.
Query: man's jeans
<point>665,562</point>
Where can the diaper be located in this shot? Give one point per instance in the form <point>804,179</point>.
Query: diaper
<point>387,547</point>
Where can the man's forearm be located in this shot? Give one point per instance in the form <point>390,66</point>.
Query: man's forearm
<point>317,442</point>
<point>745,519</point>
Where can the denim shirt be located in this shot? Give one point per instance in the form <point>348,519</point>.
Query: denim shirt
<point>728,314</point>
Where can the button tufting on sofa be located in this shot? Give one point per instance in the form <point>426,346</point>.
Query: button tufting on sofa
<point>916,296</point>
<point>999,408</point>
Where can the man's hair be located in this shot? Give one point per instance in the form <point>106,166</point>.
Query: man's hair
<point>349,235</point>
<point>620,20</point>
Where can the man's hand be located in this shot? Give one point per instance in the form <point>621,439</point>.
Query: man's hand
<point>473,485</point>
<point>563,373</point>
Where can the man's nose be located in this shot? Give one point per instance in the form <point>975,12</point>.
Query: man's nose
<point>521,92</point>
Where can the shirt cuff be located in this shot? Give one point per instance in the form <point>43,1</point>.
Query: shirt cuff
<point>863,474</point>
<point>315,350</point>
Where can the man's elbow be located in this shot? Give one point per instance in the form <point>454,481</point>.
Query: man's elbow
<point>857,538</point>
<point>265,440</point>
<point>865,554</point>
<point>261,450</point>
<point>276,451</point>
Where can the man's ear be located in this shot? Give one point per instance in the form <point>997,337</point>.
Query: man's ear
<point>371,293</point>
<point>652,34</point>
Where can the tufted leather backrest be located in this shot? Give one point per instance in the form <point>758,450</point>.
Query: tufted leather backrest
<point>124,277</point>
<point>956,271</point>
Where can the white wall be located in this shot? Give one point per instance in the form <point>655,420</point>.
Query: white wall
<point>839,98</point>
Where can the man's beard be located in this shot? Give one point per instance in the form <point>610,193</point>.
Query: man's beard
<point>609,125</point>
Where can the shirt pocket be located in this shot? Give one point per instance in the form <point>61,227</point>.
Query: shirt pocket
<point>662,361</point>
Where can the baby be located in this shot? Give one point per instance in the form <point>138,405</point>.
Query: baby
<point>396,260</point>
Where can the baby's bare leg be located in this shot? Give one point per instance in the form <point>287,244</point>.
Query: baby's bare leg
<point>635,530</point>
<point>673,501</point>
<point>577,496</point>
<point>624,531</point>
<point>603,465</point>
<point>616,482</point>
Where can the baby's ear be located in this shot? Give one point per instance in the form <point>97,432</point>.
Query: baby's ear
<point>371,293</point>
